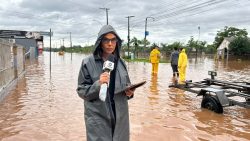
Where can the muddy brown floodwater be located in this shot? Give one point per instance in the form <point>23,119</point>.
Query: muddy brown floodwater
<point>41,108</point>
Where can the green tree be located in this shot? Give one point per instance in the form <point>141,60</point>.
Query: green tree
<point>153,45</point>
<point>62,48</point>
<point>171,47</point>
<point>164,47</point>
<point>195,44</point>
<point>210,49</point>
<point>201,46</point>
<point>134,42</point>
<point>146,49</point>
<point>229,32</point>
<point>191,44</point>
<point>240,46</point>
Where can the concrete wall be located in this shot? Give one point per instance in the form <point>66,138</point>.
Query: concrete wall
<point>20,58</point>
<point>6,64</point>
<point>11,65</point>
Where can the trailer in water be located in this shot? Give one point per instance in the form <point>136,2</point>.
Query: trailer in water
<point>218,93</point>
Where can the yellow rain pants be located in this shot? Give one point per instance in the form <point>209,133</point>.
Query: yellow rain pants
<point>182,65</point>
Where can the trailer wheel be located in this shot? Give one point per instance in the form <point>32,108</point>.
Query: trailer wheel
<point>211,103</point>
<point>247,99</point>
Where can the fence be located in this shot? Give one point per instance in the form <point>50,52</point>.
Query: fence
<point>11,65</point>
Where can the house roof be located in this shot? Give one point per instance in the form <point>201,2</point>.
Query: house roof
<point>229,39</point>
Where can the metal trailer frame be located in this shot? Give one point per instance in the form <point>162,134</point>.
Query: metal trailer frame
<point>218,93</point>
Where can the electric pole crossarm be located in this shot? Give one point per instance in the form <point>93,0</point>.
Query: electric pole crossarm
<point>106,9</point>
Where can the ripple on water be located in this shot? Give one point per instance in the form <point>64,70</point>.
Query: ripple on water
<point>47,108</point>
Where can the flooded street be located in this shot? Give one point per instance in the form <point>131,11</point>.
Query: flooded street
<point>41,108</point>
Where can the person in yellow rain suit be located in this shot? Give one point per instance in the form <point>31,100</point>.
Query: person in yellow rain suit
<point>182,65</point>
<point>155,59</point>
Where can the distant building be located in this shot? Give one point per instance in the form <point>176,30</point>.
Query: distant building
<point>225,43</point>
<point>32,41</point>
<point>223,48</point>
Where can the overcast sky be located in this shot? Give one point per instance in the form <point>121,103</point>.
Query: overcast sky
<point>173,20</point>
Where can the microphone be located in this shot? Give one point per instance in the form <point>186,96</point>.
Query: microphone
<point>108,66</point>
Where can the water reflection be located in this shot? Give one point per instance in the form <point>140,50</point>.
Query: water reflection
<point>225,125</point>
<point>41,111</point>
<point>11,113</point>
<point>177,96</point>
<point>153,96</point>
<point>235,71</point>
<point>47,108</point>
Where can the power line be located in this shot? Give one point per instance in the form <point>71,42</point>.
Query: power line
<point>184,10</point>
<point>189,9</point>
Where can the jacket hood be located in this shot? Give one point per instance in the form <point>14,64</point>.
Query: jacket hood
<point>105,30</point>
<point>155,50</point>
<point>183,50</point>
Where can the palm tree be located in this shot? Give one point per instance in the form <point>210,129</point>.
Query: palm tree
<point>134,41</point>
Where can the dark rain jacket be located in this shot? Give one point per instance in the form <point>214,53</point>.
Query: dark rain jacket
<point>174,58</point>
<point>98,114</point>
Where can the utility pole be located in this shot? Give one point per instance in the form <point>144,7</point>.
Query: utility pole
<point>128,33</point>
<point>50,52</point>
<point>196,50</point>
<point>199,32</point>
<point>63,42</point>
<point>146,33</point>
<point>106,9</point>
<point>70,44</point>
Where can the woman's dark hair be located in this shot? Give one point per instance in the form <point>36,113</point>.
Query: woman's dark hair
<point>116,51</point>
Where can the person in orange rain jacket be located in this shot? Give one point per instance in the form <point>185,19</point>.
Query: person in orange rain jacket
<point>182,65</point>
<point>155,59</point>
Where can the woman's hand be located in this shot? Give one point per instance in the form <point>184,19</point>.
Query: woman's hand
<point>104,78</point>
<point>129,92</point>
